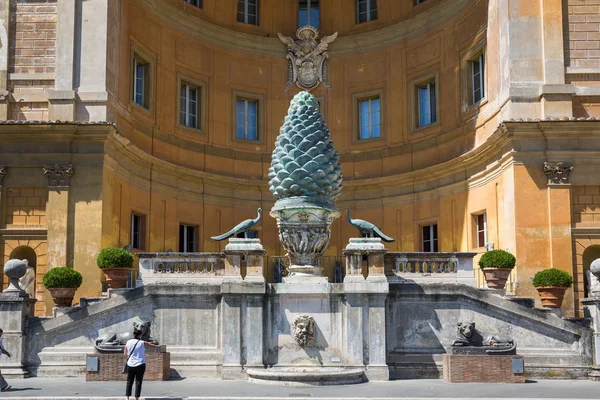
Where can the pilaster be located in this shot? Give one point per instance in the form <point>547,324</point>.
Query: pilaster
<point>57,213</point>
<point>242,308</point>
<point>62,99</point>
<point>232,343</point>
<point>2,213</point>
<point>4,29</point>
<point>366,296</point>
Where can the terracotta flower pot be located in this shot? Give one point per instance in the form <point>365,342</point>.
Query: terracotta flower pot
<point>63,297</point>
<point>116,277</point>
<point>496,277</point>
<point>552,296</point>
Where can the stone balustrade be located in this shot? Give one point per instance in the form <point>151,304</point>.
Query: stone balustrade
<point>158,268</point>
<point>430,267</point>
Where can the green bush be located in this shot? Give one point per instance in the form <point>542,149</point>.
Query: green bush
<point>114,257</point>
<point>552,277</point>
<point>62,277</point>
<point>497,259</point>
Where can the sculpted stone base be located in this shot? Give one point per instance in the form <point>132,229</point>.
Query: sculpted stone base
<point>462,368</point>
<point>110,366</point>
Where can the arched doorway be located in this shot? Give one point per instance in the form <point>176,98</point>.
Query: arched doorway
<point>28,282</point>
<point>590,254</point>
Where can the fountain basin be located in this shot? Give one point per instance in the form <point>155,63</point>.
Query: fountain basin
<point>306,376</point>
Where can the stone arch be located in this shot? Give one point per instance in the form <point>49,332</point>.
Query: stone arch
<point>28,282</point>
<point>589,254</point>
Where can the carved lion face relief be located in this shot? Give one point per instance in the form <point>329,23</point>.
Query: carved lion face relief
<point>304,330</point>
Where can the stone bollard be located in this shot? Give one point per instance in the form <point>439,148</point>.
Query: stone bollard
<point>592,306</point>
<point>15,307</point>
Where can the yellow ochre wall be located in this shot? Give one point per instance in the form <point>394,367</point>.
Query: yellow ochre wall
<point>472,160</point>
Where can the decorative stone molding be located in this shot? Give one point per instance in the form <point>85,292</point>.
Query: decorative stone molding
<point>304,330</point>
<point>2,174</point>
<point>558,174</point>
<point>58,175</point>
<point>306,67</point>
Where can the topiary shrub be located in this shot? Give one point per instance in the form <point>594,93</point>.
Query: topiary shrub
<point>497,259</point>
<point>114,257</point>
<point>62,277</point>
<point>552,277</point>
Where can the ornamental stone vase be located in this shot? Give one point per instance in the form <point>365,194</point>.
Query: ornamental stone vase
<point>116,278</point>
<point>496,277</point>
<point>552,296</point>
<point>306,179</point>
<point>63,297</point>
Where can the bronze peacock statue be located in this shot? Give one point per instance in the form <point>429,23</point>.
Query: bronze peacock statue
<point>243,227</point>
<point>367,229</point>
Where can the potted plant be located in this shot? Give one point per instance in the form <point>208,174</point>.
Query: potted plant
<point>496,266</point>
<point>116,263</point>
<point>62,282</point>
<point>551,284</point>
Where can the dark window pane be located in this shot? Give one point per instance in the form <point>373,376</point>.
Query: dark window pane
<point>426,233</point>
<point>181,238</point>
<point>435,233</point>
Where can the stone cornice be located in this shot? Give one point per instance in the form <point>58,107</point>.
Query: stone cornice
<point>175,16</point>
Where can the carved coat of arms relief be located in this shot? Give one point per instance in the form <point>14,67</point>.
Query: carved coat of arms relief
<point>306,66</point>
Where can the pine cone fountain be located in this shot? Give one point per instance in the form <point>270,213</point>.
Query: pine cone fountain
<point>306,179</point>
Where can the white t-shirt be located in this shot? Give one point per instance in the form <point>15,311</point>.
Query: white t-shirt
<point>138,356</point>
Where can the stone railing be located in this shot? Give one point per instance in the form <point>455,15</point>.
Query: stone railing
<point>181,268</point>
<point>430,267</point>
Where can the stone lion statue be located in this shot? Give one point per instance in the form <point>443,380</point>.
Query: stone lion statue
<point>113,342</point>
<point>492,344</point>
<point>304,330</point>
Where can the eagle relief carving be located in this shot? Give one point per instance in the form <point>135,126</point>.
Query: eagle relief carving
<point>306,57</point>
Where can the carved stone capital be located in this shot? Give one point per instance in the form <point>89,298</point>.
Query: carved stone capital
<point>58,175</point>
<point>2,174</point>
<point>558,174</point>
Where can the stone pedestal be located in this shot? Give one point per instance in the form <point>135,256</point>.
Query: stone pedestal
<point>248,251</point>
<point>242,306</point>
<point>463,368</point>
<point>374,250</point>
<point>110,366</point>
<point>372,291</point>
<point>304,231</point>
<point>15,307</point>
<point>592,305</point>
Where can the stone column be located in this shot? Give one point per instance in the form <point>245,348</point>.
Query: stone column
<point>57,213</point>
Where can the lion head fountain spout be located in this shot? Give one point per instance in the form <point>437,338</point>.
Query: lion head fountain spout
<point>306,179</point>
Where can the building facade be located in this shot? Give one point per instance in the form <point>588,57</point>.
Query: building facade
<point>151,124</point>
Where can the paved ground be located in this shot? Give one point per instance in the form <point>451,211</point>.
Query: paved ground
<point>209,389</point>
